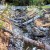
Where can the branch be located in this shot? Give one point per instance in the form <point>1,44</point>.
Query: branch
<point>6,30</point>
<point>28,40</point>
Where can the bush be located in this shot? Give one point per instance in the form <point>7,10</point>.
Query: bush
<point>36,2</point>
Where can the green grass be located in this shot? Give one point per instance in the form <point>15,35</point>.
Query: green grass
<point>46,6</point>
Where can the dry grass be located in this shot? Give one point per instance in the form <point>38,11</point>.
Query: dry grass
<point>4,37</point>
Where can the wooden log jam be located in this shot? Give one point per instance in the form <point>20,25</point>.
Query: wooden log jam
<point>38,44</point>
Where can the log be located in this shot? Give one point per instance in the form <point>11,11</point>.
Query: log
<point>28,40</point>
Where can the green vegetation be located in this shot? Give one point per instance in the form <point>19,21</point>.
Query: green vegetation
<point>36,2</point>
<point>46,6</point>
<point>27,2</point>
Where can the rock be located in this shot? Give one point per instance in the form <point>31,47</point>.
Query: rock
<point>2,7</point>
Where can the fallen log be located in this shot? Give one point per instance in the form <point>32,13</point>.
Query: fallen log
<point>28,40</point>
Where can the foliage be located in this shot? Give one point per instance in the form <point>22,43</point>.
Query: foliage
<point>27,2</point>
<point>48,1</point>
<point>37,2</point>
<point>18,2</point>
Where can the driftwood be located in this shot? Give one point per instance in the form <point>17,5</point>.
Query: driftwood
<point>27,40</point>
